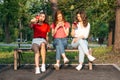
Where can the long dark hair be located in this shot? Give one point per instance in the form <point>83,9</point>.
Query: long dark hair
<point>83,17</point>
<point>56,14</point>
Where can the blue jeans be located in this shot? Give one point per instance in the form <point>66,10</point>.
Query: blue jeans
<point>82,46</point>
<point>60,44</point>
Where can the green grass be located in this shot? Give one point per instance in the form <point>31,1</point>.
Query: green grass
<point>103,55</point>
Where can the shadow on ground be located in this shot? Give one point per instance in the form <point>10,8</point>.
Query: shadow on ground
<point>68,72</point>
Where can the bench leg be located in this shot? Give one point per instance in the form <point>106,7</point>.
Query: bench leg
<point>19,58</point>
<point>15,59</point>
<point>90,65</point>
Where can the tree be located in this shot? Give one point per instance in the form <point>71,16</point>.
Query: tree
<point>111,33</point>
<point>117,28</point>
<point>54,6</point>
<point>8,17</point>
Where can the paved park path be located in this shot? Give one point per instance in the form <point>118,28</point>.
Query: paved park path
<point>26,72</point>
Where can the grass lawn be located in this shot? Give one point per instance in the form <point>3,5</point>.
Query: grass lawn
<point>104,55</point>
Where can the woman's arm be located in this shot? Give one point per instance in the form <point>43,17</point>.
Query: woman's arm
<point>54,29</point>
<point>66,30</point>
<point>73,30</point>
<point>32,21</point>
<point>66,27</point>
<point>47,38</point>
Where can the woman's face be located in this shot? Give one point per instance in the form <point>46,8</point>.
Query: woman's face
<point>59,17</point>
<point>79,17</point>
<point>42,17</point>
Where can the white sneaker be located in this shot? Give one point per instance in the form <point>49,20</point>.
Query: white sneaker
<point>79,67</point>
<point>66,60</point>
<point>37,70</point>
<point>91,58</point>
<point>43,68</point>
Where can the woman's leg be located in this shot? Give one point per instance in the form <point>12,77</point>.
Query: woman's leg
<point>57,65</point>
<point>43,55</point>
<point>58,55</point>
<point>84,46</point>
<point>63,46</point>
<point>35,48</point>
<point>81,58</point>
<point>81,55</point>
<point>56,45</point>
<point>60,49</point>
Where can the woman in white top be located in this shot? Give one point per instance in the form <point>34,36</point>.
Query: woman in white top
<point>80,32</point>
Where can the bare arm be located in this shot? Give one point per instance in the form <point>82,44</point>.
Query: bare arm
<point>32,21</point>
<point>73,30</point>
<point>47,38</point>
<point>54,31</point>
<point>47,41</point>
<point>66,31</point>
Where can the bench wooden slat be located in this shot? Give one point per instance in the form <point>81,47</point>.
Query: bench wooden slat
<point>48,50</point>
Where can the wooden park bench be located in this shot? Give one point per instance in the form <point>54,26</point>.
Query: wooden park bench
<point>18,52</point>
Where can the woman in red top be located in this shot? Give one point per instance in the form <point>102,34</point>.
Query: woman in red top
<point>60,30</point>
<point>40,38</point>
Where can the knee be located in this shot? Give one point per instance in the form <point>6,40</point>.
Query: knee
<point>43,45</point>
<point>37,54</point>
<point>80,41</point>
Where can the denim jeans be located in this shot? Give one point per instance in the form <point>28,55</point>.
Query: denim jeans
<point>82,46</point>
<point>60,44</point>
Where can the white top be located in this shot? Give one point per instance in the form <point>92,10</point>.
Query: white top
<point>82,31</point>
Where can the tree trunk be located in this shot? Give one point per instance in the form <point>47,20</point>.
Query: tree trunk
<point>54,6</point>
<point>111,33</point>
<point>7,31</point>
<point>20,28</point>
<point>117,29</point>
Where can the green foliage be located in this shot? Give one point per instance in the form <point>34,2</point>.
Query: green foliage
<point>12,12</point>
<point>99,12</point>
<point>101,51</point>
<point>6,49</point>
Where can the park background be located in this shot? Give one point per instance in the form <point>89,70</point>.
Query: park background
<point>103,16</point>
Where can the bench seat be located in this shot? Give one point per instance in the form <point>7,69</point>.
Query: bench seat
<point>19,51</point>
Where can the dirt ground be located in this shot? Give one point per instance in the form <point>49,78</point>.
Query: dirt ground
<point>108,58</point>
<point>26,72</point>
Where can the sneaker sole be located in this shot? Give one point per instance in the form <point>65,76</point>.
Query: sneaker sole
<point>38,73</point>
<point>78,69</point>
<point>43,71</point>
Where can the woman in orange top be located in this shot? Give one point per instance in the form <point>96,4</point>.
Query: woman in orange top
<point>60,30</point>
